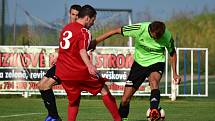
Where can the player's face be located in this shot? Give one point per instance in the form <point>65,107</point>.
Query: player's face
<point>90,22</point>
<point>156,36</point>
<point>73,15</point>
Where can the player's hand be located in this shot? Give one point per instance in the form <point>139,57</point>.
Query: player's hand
<point>177,79</point>
<point>92,45</point>
<point>92,69</point>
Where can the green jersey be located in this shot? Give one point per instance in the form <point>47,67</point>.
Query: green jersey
<point>148,51</point>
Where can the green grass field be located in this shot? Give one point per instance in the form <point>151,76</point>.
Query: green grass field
<point>92,109</point>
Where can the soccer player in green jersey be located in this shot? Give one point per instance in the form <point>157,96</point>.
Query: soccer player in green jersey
<point>151,39</point>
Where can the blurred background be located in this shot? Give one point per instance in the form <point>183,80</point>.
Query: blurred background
<point>38,22</point>
<point>29,32</point>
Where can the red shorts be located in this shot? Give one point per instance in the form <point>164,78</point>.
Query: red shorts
<point>74,88</point>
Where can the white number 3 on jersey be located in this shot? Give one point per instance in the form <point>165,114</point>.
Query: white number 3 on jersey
<point>66,36</point>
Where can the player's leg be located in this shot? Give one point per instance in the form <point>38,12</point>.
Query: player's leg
<point>47,94</point>
<point>110,103</point>
<point>125,101</point>
<point>73,91</point>
<point>96,85</point>
<point>46,83</point>
<point>154,80</point>
<point>136,76</point>
<point>73,109</point>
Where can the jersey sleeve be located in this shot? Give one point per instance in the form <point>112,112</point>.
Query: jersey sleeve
<point>84,39</point>
<point>132,30</point>
<point>169,42</point>
<point>170,46</point>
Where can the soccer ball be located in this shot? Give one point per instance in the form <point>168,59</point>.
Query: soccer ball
<point>162,114</point>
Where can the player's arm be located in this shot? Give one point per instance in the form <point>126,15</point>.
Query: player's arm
<point>85,58</point>
<point>83,45</point>
<point>173,61</point>
<point>108,34</point>
<point>102,37</point>
<point>128,31</point>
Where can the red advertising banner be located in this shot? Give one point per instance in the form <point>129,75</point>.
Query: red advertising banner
<point>22,67</point>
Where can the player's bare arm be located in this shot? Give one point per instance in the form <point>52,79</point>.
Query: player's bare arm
<point>173,60</point>
<point>85,58</point>
<point>102,37</point>
<point>108,34</point>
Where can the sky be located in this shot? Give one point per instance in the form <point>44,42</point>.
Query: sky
<point>49,10</point>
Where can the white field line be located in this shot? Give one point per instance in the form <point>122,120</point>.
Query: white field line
<point>17,115</point>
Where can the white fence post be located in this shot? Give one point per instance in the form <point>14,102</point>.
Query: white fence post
<point>189,90</point>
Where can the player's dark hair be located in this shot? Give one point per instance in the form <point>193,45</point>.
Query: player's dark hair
<point>75,7</point>
<point>158,28</point>
<point>87,10</point>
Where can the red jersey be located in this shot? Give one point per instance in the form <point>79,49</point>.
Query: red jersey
<point>69,65</point>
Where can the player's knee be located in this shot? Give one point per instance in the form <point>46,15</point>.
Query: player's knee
<point>125,100</point>
<point>105,90</point>
<point>74,102</point>
<point>39,85</point>
<point>154,84</point>
<point>42,86</point>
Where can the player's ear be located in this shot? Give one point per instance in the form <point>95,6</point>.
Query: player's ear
<point>87,18</point>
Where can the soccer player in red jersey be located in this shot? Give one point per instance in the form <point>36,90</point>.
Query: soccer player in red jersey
<point>73,66</point>
<point>46,83</point>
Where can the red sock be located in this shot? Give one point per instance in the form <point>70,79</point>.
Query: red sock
<point>72,112</point>
<point>111,105</point>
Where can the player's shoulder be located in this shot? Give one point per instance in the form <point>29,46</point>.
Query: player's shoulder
<point>74,24</point>
<point>167,36</point>
<point>135,26</point>
<point>142,25</point>
<point>74,27</point>
<point>167,33</point>
<point>85,30</point>
<point>68,25</point>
